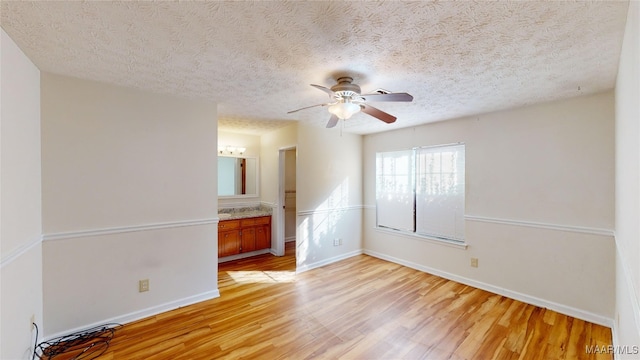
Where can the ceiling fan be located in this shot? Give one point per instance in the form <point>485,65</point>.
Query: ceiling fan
<point>346,100</point>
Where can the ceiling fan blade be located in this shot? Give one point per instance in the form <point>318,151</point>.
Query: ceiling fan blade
<point>387,97</point>
<point>327,90</point>
<point>377,113</point>
<point>333,121</point>
<point>307,107</point>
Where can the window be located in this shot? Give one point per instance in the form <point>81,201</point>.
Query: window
<point>394,190</point>
<point>422,191</point>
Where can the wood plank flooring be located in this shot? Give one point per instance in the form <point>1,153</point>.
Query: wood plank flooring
<point>358,308</point>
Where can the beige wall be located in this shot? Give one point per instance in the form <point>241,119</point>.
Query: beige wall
<point>539,204</point>
<point>329,196</point>
<point>20,201</point>
<point>248,141</point>
<point>129,192</point>
<point>270,145</point>
<point>627,324</point>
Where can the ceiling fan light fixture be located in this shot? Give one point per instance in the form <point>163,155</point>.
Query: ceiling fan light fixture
<point>344,110</point>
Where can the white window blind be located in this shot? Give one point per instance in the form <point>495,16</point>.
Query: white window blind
<point>440,191</point>
<point>395,190</point>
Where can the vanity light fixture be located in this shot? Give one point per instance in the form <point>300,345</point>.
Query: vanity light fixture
<point>230,150</point>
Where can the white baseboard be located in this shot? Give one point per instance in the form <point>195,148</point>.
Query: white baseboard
<point>290,238</point>
<point>563,309</point>
<point>143,313</point>
<point>303,268</point>
<point>615,340</point>
<point>244,255</point>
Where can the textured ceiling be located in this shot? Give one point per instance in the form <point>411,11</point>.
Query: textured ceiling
<point>257,59</point>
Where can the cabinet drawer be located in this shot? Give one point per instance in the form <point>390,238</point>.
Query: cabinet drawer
<point>228,224</point>
<point>255,221</point>
<point>263,220</point>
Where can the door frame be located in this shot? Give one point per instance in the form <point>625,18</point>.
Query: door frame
<point>280,213</point>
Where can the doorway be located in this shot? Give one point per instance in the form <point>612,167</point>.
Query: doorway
<point>287,196</point>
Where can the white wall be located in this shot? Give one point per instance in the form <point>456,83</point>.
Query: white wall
<point>270,145</point>
<point>329,196</point>
<point>329,191</point>
<point>129,185</point>
<point>539,204</point>
<point>627,324</point>
<point>248,141</point>
<point>20,201</point>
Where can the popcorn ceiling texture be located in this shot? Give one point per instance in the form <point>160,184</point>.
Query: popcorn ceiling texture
<point>257,59</point>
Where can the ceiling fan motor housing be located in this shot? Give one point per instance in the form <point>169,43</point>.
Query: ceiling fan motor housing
<point>344,85</point>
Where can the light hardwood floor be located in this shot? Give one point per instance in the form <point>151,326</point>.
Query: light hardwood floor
<point>358,308</point>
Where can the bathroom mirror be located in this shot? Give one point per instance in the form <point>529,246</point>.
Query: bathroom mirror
<point>237,176</point>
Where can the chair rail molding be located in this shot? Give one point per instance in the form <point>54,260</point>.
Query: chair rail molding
<point>127,229</point>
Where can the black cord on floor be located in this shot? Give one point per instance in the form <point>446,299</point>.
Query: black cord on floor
<point>86,344</point>
<point>35,343</point>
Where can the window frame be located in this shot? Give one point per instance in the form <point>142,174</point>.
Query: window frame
<point>458,241</point>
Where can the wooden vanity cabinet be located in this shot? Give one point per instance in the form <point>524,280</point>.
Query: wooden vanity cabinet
<point>228,237</point>
<point>244,235</point>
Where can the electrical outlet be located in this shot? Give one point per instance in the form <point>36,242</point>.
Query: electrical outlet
<point>474,262</point>
<point>32,321</point>
<point>337,242</point>
<point>143,285</point>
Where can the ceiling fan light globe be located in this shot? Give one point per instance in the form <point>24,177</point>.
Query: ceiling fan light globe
<point>344,110</point>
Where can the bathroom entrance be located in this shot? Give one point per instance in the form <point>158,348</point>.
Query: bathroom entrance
<point>287,193</point>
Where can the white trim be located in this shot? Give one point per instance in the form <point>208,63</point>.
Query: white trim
<point>144,313</point>
<point>324,211</point>
<point>303,268</point>
<point>243,255</point>
<point>633,298</point>
<point>16,253</point>
<point>539,225</point>
<point>615,341</point>
<point>127,229</point>
<point>414,236</point>
<point>563,309</point>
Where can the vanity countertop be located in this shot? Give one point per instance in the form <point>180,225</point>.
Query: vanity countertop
<point>243,212</point>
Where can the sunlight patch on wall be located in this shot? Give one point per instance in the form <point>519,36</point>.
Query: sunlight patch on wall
<point>320,226</point>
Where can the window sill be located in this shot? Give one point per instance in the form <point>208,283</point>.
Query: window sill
<point>409,235</point>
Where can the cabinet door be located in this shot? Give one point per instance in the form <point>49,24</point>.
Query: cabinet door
<point>263,237</point>
<point>248,242</point>
<point>228,243</point>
